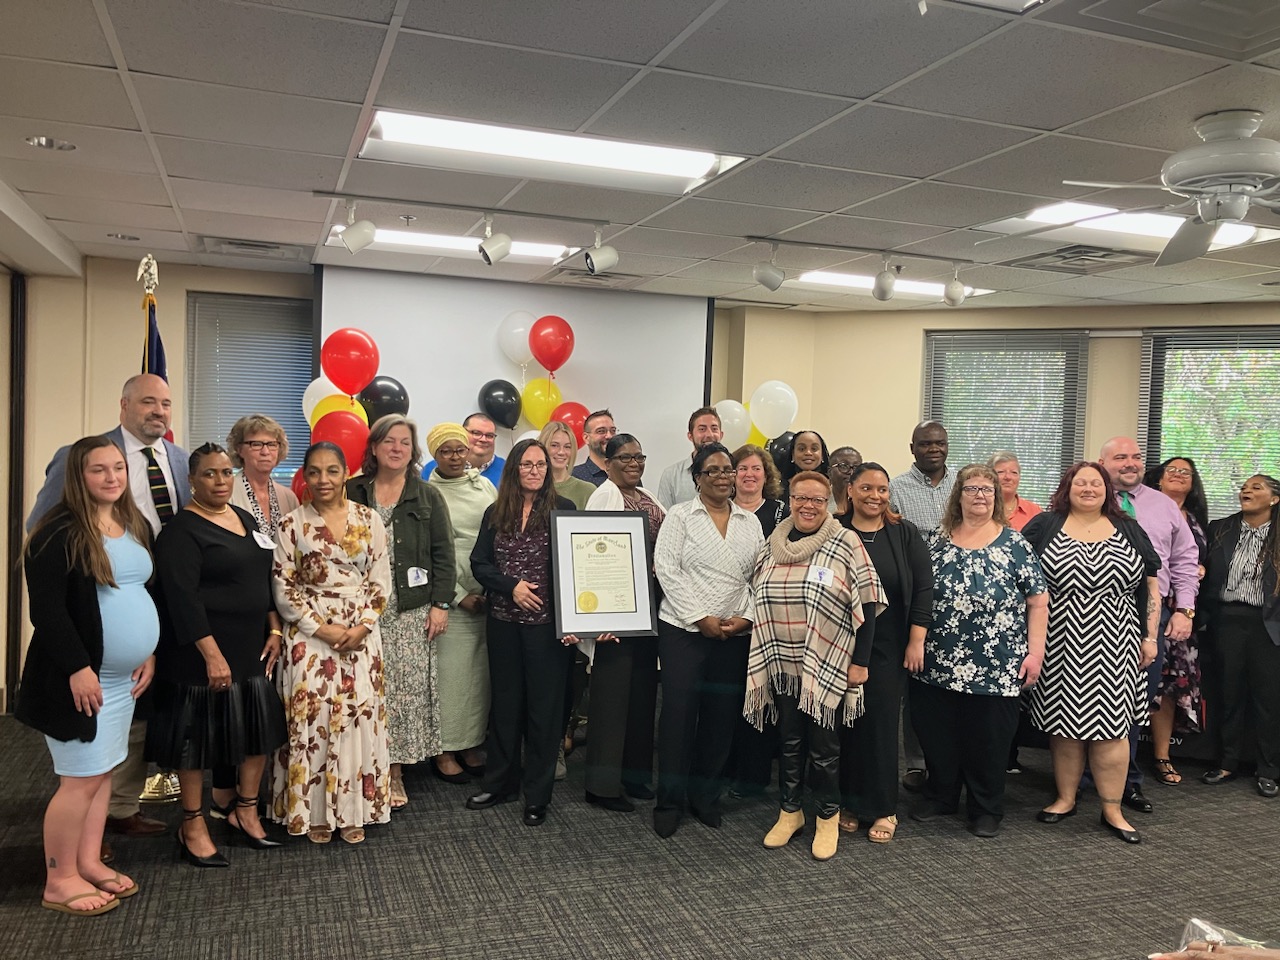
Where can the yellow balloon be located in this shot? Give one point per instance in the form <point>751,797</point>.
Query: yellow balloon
<point>336,402</point>
<point>757,438</point>
<point>539,400</point>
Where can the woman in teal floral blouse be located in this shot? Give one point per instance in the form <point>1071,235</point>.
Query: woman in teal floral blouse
<point>990,613</point>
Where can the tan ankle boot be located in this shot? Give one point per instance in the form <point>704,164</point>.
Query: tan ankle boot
<point>788,825</point>
<point>826,836</point>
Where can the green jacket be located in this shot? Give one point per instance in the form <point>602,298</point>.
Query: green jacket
<point>423,539</point>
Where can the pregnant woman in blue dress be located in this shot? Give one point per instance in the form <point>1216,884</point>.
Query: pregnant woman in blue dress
<point>91,656</point>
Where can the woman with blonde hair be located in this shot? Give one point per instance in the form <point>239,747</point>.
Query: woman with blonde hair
<point>257,445</point>
<point>562,447</point>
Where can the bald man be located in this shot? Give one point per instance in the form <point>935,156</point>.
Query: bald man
<point>145,415</point>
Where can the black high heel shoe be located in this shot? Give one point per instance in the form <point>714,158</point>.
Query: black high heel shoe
<point>215,859</point>
<point>255,843</point>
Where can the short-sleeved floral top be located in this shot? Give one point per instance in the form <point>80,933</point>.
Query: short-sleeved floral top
<point>979,635</point>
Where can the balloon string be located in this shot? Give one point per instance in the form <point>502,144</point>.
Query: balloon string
<point>524,373</point>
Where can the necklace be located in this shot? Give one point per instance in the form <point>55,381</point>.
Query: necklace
<point>871,539</point>
<point>196,501</point>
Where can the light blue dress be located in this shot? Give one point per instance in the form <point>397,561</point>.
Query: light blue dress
<point>130,630</point>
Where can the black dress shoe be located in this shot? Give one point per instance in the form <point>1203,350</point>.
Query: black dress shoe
<point>638,791</point>
<point>1048,816</point>
<point>1215,777</point>
<point>215,859</point>
<point>535,816</point>
<point>1267,787</point>
<point>984,825</point>
<point>711,817</point>
<point>482,801</point>
<point>460,777</point>
<point>929,809</point>
<point>616,804</point>
<point>915,779</point>
<point>665,822</point>
<point>1134,800</point>
<point>475,771</point>
<point>1128,836</point>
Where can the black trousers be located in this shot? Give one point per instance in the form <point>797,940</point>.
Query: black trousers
<point>751,757</point>
<point>528,670</point>
<point>869,749</point>
<point>796,730</point>
<point>704,682</point>
<point>966,739</point>
<point>1249,664</point>
<point>624,695</point>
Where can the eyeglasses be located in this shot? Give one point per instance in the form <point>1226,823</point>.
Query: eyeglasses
<point>481,435</point>
<point>536,466</point>
<point>256,445</point>
<point>639,458</point>
<point>604,431</point>
<point>718,472</point>
<point>1177,471</point>
<point>976,491</point>
<point>844,467</point>
<point>806,501</point>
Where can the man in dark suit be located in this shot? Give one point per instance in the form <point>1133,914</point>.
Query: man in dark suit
<point>145,415</point>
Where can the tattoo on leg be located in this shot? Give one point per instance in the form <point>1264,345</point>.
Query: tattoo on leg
<point>53,863</point>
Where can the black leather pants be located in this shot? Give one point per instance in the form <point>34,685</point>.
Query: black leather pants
<point>796,730</point>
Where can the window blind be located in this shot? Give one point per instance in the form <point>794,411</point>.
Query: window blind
<point>1213,394</point>
<point>248,355</point>
<point>1017,390</point>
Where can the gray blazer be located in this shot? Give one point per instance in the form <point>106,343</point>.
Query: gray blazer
<point>55,477</point>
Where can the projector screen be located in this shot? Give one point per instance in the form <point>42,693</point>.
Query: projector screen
<point>644,356</point>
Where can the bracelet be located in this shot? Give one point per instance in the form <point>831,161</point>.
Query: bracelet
<point>276,633</point>
<point>1150,640</point>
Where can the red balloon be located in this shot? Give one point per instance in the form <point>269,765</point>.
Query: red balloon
<point>551,341</point>
<point>346,430</point>
<point>349,358</point>
<point>574,416</point>
<point>299,486</point>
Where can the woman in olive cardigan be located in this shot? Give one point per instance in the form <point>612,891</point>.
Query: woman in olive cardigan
<point>424,575</point>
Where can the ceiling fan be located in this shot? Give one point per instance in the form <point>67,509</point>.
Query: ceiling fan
<point>1221,178</point>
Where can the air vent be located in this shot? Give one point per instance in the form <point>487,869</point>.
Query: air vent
<point>1080,260</point>
<point>596,281</point>
<point>285,252</point>
<point>729,303</point>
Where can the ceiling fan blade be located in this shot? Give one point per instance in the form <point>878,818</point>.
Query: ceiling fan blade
<point>1189,243</point>
<point>1113,186</point>
<point>1048,228</point>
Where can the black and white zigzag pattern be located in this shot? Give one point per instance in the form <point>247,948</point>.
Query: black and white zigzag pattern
<point>1090,686</point>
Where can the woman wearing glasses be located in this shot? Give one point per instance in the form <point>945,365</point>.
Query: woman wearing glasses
<point>257,445</point>
<point>528,666</point>
<point>844,460</point>
<point>990,609</point>
<point>624,673</point>
<point>704,556</point>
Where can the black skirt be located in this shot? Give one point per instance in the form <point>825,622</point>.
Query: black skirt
<point>196,728</point>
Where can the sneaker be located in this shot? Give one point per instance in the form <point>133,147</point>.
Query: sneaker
<point>1268,787</point>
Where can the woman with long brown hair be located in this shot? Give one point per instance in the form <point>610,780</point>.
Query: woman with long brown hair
<point>88,563</point>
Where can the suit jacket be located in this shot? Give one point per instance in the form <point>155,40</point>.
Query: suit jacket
<point>55,477</point>
<point>1224,535</point>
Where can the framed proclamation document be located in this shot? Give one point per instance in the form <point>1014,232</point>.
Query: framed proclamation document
<point>600,564</point>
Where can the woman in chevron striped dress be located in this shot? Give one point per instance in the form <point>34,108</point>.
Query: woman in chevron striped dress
<point>1104,610</point>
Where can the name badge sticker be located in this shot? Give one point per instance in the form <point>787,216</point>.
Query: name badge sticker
<point>417,577</point>
<point>265,542</point>
<point>823,575</point>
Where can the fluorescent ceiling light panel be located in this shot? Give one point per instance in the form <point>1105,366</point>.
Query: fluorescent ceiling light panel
<point>1161,226</point>
<point>446,245</point>
<point>509,152</point>
<point>918,288</point>
<point>1013,6</point>
<point>1067,212</point>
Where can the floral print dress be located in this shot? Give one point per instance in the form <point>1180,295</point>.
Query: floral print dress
<point>334,771</point>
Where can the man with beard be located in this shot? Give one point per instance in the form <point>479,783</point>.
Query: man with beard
<point>481,436</point>
<point>598,429</point>
<point>676,485</point>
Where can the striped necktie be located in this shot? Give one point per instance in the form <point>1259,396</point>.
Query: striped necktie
<point>159,489</point>
<point>1127,504</point>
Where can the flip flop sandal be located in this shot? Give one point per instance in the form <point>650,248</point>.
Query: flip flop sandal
<point>849,823</point>
<point>883,825</point>
<point>64,906</point>
<point>124,894</point>
<point>398,797</point>
<point>1166,773</point>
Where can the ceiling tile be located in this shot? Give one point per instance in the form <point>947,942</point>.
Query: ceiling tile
<point>496,84</point>
<point>455,267</point>
<point>1184,294</point>
<point>1237,29</point>
<point>678,110</point>
<point>101,147</point>
<point>641,265</point>
<point>203,111</point>
<point>374,11</point>
<point>962,244</point>
<point>252,201</point>
<point>253,166</point>
<point>430,220</point>
<point>133,252</point>
<point>800,186</point>
<point>239,45</point>
<point>1192,271</point>
<point>1267,254</point>
<point>1022,299</point>
<point>691,288</point>
<point>878,43</point>
<point>374,178</point>
<point>25,32</point>
<point>265,264</point>
<point>719,270</point>
<point>670,243</point>
<point>35,176</point>
<point>950,206</point>
<point>1004,278</point>
<point>97,233</point>
<point>631,32</point>
<point>122,215</point>
<point>799,258</point>
<point>1093,286</point>
<point>729,219</point>
<point>1039,167</point>
<point>860,232</point>
<point>237,227</point>
<point>591,203</point>
<point>61,92</point>
<point>900,142</point>
<point>1017,77</point>
<point>1251,283</point>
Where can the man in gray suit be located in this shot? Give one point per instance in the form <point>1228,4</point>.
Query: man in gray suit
<point>145,414</point>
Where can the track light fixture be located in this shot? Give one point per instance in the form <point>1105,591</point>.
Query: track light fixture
<point>600,259</point>
<point>885,280</point>
<point>767,273</point>
<point>953,293</point>
<point>494,246</point>
<point>357,235</point>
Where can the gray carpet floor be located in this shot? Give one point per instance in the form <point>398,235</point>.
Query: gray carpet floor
<point>442,881</point>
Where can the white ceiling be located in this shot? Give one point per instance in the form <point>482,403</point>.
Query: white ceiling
<point>864,123</point>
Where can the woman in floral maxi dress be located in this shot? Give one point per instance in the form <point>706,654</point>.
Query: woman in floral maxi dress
<point>332,577</point>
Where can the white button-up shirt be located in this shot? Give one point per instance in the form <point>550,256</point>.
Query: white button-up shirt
<point>139,485</point>
<point>703,574</point>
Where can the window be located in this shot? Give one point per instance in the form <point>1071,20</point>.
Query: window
<point>1020,390</point>
<point>248,355</point>
<point>1213,394</point>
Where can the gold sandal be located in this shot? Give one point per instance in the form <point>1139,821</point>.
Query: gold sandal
<point>352,835</point>
<point>319,834</point>
<point>884,825</point>
<point>398,797</point>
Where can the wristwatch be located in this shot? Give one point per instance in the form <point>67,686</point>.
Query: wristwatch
<point>1188,612</point>
<point>443,606</point>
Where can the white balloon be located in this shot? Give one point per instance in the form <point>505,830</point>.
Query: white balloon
<point>735,423</point>
<point>317,390</point>
<point>774,406</point>
<point>513,336</point>
<point>528,435</point>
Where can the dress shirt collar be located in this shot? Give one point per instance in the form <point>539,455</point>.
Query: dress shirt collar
<point>133,445</point>
<point>919,476</point>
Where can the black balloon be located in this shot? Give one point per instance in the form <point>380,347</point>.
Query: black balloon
<point>500,400</point>
<point>382,396</point>
<point>780,448</point>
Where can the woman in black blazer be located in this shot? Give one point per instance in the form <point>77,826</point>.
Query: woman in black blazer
<point>869,750</point>
<point>1242,604</point>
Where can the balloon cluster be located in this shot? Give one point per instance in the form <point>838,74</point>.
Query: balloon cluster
<point>524,338</point>
<point>349,396</point>
<point>770,413</point>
